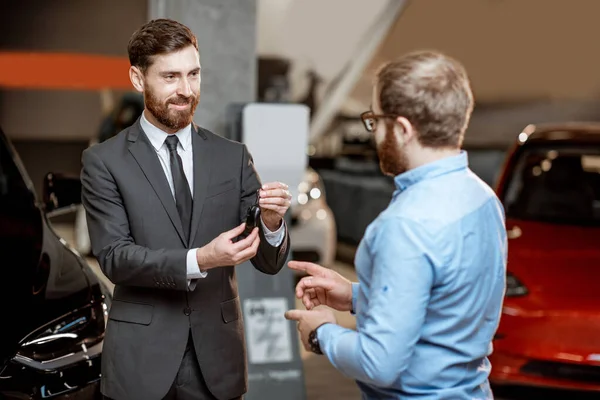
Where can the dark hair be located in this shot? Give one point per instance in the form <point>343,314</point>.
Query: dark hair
<point>433,92</point>
<point>159,36</point>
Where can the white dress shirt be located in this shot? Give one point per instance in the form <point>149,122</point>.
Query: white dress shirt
<point>184,149</point>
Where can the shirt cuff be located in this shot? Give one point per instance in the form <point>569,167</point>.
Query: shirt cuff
<point>193,270</point>
<point>274,238</point>
<point>354,296</point>
<point>326,334</point>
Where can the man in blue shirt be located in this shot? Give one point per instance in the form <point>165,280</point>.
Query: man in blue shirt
<point>431,267</point>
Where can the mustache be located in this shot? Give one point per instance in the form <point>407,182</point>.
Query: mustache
<point>182,100</point>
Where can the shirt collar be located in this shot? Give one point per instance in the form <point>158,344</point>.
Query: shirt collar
<point>431,170</point>
<point>157,136</point>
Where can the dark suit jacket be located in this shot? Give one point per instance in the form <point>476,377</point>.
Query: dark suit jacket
<point>137,237</point>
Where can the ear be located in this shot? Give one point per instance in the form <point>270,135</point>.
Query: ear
<point>403,130</point>
<point>137,78</point>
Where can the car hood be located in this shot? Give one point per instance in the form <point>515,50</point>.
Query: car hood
<point>559,264</point>
<point>554,336</point>
<point>40,278</point>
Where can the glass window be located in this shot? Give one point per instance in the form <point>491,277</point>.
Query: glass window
<point>559,184</point>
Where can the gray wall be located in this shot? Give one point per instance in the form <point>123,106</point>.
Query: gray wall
<point>93,27</point>
<point>226,31</point>
<point>50,128</point>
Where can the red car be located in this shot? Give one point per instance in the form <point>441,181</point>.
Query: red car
<point>549,333</point>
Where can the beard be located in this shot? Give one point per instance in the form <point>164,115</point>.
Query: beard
<point>172,119</point>
<point>392,159</point>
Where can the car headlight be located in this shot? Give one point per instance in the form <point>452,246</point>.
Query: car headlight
<point>514,287</point>
<point>68,339</point>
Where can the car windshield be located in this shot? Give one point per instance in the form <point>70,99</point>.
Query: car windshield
<point>558,184</point>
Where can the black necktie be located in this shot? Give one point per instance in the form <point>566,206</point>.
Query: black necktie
<point>183,196</point>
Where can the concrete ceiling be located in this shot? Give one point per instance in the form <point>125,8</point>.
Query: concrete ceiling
<point>514,50</point>
<point>529,61</point>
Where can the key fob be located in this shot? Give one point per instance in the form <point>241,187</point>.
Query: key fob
<point>252,219</point>
<point>252,216</point>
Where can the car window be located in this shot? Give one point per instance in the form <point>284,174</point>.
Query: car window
<point>555,184</point>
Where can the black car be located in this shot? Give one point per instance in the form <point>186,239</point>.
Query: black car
<point>53,308</point>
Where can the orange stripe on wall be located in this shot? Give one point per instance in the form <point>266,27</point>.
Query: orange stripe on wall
<point>63,71</point>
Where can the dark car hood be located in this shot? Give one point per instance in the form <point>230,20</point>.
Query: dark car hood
<point>40,278</point>
<point>559,264</point>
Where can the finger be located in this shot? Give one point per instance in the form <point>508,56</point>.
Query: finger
<point>295,315</point>
<point>274,185</point>
<point>246,245</point>
<point>302,287</point>
<point>318,282</point>
<point>245,242</point>
<point>245,255</point>
<point>278,193</point>
<point>310,301</point>
<point>314,286</point>
<point>275,208</point>
<point>307,303</point>
<point>307,292</point>
<point>311,297</point>
<point>302,292</point>
<point>233,233</point>
<point>307,267</point>
<point>251,251</point>
<point>242,258</point>
<point>274,200</point>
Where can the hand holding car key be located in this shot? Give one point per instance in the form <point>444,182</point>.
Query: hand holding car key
<point>275,200</point>
<point>272,205</point>
<point>240,244</point>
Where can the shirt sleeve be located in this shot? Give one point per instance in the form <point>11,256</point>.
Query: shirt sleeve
<point>274,238</point>
<point>391,322</point>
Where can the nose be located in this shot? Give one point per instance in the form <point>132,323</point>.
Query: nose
<point>184,88</point>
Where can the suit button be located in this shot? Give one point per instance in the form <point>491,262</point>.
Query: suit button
<point>187,311</point>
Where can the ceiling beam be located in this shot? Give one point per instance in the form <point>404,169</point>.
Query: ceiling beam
<point>351,73</point>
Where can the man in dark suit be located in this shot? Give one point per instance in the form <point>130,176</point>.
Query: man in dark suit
<point>164,201</point>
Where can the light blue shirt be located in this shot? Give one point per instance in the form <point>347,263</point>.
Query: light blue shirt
<point>184,149</point>
<point>431,271</point>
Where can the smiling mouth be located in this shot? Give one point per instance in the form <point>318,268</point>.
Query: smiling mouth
<point>180,106</point>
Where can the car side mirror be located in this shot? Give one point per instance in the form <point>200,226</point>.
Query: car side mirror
<point>61,192</point>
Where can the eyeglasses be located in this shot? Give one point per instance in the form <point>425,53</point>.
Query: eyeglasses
<point>369,119</point>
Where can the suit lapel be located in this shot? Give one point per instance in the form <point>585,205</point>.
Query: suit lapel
<point>202,166</point>
<point>141,149</point>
